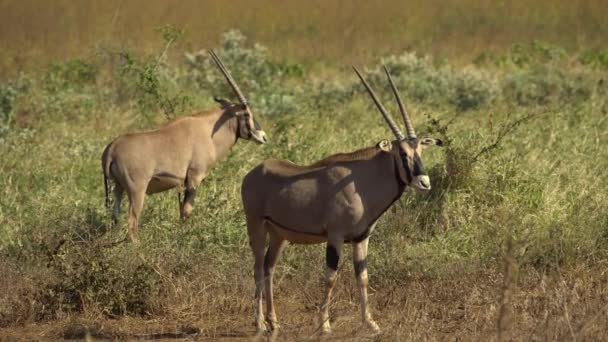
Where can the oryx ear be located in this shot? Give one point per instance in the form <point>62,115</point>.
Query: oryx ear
<point>385,145</point>
<point>426,142</point>
<point>223,102</point>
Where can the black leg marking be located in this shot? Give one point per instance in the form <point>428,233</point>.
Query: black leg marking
<point>189,193</point>
<point>360,266</point>
<point>332,257</point>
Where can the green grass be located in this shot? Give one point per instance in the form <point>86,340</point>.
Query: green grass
<point>543,185</point>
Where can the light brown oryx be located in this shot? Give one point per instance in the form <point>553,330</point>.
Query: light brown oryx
<point>180,154</point>
<point>336,200</point>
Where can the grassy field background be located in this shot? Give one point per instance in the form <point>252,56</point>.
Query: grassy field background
<point>511,244</point>
<point>335,32</point>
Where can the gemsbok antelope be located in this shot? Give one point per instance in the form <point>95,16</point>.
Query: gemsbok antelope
<point>335,200</point>
<point>180,154</point>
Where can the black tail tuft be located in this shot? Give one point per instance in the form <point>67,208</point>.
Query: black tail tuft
<point>106,184</point>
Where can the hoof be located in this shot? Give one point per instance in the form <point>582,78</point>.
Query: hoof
<point>260,327</point>
<point>261,330</point>
<point>186,211</point>
<point>326,328</point>
<point>373,327</point>
<point>272,325</point>
<point>134,238</point>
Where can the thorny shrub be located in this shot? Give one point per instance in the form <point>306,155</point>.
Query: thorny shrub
<point>88,276</point>
<point>151,81</point>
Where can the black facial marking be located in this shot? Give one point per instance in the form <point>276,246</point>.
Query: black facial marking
<point>360,266</point>
<point>406,166</point>
<point>245,131</point>
<point>418,168</point>
<point>332,257</point>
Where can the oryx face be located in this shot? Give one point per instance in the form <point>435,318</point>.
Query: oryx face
<point>411,168</point>
<point>249,128</point>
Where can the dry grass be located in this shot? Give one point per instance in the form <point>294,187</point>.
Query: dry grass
<point>34,32</point>
<point>459,305</point>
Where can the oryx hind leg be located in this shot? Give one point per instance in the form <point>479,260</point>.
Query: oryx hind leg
<point>136,204</point>
<point>360,265</point>
<point>334,249</point>
<point>118,192</point>
<point>257,241</point>
<point>275,248</point>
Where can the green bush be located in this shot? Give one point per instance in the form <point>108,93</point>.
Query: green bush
<point>259,77</point>
<point>8,93</point>
<point>151,82</point>
<point>70,74</point>
<point>595,58</point>
<point>544,84</point>
<point>472,88</point>
<point>417,77</point>
<point>424,81</point>
<point>524,55</point>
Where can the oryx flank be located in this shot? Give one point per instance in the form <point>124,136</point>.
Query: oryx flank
<point>336,200</point>
<point>180,154</point>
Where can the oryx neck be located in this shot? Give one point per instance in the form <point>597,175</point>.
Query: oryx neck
<point>225,132</point>
<point>383,187</point>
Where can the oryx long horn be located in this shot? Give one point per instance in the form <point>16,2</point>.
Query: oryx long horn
<point>383,111</point>
<point>229,78</point>
<point>406,119</point>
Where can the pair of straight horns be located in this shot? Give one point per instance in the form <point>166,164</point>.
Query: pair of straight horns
<point>408,124</point>
<point>391,123</point>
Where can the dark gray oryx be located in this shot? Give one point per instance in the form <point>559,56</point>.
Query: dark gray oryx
<point>336,200</point>
<point>180,154</point>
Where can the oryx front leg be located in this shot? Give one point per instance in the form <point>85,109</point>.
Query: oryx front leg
<point>360,265</point>
<point>193,180</point>
<point>334,248</point>
<point>275,247</point>
<point>257,242</point>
